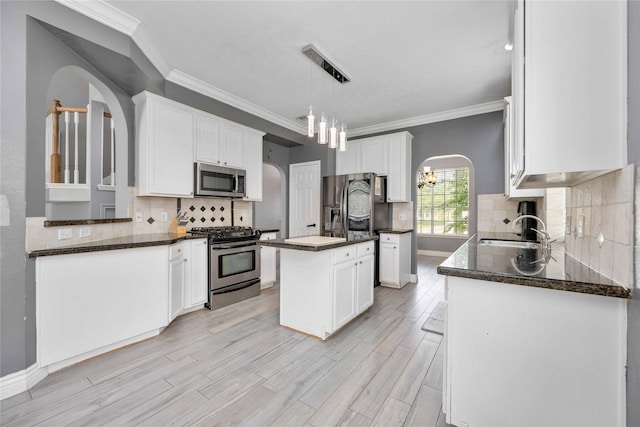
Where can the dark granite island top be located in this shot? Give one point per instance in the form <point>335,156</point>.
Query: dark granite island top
<point>126,242</point>
<point>513,266</point>
<point>283,244</point>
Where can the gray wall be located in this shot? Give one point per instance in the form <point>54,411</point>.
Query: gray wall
<point>315,151</point>
<point>479,138</point>
<point>633,155</point>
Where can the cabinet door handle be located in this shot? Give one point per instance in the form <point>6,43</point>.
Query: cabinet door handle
<point>360,262</point>
<point>394,247</point>
<point>311,225</point>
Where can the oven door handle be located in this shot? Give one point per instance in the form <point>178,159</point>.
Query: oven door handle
<point>233,288</point>
<point>233,246</point>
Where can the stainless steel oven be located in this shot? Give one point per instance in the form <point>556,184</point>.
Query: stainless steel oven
<point>234,264</point>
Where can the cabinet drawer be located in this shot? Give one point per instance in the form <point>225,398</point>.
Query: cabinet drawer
<point>344,254</point>
<point>176,251</point>
<point>365,249</point>
<point>389,238</point>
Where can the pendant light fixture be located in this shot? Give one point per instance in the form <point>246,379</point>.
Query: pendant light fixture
<point>327,133</point>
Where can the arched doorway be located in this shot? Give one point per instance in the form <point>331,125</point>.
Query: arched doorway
<point>271,212</point>
<point>445,213</point>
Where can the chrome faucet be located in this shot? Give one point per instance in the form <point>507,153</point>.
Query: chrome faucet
<point>543,233</point>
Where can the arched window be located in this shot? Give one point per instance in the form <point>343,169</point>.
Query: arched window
<point>443,207</point>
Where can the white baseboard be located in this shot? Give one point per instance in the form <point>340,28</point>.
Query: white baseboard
<point>413,278</point>
<point>434,253</point>
<point>20,381</point>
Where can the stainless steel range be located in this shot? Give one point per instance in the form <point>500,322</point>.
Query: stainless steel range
<point>234,264</point>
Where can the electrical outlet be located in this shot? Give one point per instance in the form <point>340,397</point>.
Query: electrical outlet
<point>402,217</point>
<point>85,232</point>
<point>138,216</point>
<point>65,233</point>
<point>567,225</point>
<point>164,217</point>
<point>581,226</point>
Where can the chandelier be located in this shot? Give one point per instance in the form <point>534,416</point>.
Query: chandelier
<point>328,131</point>
<point>426,177</point>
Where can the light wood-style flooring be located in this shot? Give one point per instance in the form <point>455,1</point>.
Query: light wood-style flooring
<point>237,366</point>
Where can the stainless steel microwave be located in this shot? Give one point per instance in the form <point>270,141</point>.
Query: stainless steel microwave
<point>211,180</point>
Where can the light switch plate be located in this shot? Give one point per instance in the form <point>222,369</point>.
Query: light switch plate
<point>402,217</point>
<point>138,216</point>
<point>85,232</point>
<point>567,224</point>
<point>164,217</point>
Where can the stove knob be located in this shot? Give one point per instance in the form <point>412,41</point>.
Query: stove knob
<point>257,233</point>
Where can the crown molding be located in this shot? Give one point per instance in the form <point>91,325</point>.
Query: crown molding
<point>145,43</point>
<point>105,14</point>
<point>190,82</point>
<point>442,116</point>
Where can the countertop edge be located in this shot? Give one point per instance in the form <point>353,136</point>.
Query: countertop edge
<point>538,282</point>
<point>96,246</point>
<point>280,243</point>
<point>395,231</point>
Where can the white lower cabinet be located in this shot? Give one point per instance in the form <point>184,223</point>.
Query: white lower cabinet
<point>344,293</point>
<point>196,272</point>
<point>267,262</point>
<point>322,291</point>
<point>90,303</point>
<point>548,357</point>
<point>176,287</point>
<point>94,302</point>
<point>395,259</point>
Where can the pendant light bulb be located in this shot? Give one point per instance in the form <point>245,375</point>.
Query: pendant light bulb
<point>310,122</point>
<point>333,135</point>
<point>342,138</point>
<point>322,130</point>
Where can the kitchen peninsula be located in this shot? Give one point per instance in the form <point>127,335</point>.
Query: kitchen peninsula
<point>324,282</point>
<point>531,340</point>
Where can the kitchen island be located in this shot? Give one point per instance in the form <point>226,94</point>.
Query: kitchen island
<point>530,341</point>
<point>325,282</point>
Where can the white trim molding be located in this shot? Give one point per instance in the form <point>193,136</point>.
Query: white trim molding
<point>104,13</point>
<point>428,252</point>
<point>442,116</point>
<point>183,79</point>
<point>20,381</point>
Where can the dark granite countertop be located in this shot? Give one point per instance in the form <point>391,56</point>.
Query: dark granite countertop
<point>395,230</point>
<point>512,265</point>
<point>280,243</point>
<point>126,242</point>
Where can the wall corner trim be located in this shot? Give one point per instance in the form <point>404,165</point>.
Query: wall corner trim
<point>20,381</point>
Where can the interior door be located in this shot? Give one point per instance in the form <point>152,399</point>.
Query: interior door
<point>304,199</point>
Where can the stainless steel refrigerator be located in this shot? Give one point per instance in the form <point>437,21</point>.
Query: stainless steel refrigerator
<point>354,206</point>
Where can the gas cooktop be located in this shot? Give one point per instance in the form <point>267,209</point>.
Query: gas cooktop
<point>227,234</point>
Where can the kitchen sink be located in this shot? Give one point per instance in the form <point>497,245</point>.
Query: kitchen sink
<point>510,243</point>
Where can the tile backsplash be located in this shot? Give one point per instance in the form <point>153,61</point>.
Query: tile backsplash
<point>605,205</point>
<point>496,212</point>
<point>202,212</point>
<point>402,216</point>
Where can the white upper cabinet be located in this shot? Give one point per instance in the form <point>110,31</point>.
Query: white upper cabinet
<point>219,142</point>
<point>510,159</point>
<point>208,139</point>
<point>233,145</point>
<point>364,155</point>
<point>570,90</point>
<point>164,157</point>
<point>387,155</point>
<point>399,177</point>
<point>253,164</point>
<point>171,136</point>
